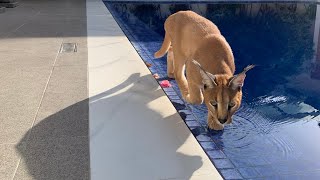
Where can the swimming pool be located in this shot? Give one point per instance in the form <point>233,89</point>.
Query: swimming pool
<point>274,134</point>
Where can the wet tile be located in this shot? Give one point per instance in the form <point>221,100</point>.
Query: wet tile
<point>293,177</point>
<point>261,178</point>
<point>216,154</point>
<point>192,123</point>
<point>223,163</point>
<point>294,166</point>
<point>265,171</point>
<point>284,168</point>
<point>208,145</point>
<point>187,112</point>
<point>190,117</point>
<point>230,174</point>
<point>174,97</point>
<point>178,104</point>
<point>196,131</point>
<point>249,172</point>
<point>203,137</point>
<point>311,175</point>
<point>240,162</point>
<point>258,161</point>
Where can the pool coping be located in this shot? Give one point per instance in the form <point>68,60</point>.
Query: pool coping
<point>99,23</point>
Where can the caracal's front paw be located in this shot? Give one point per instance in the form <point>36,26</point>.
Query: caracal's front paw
<point>193,100</point>
<point>157,55</point>
<point>171,75</point>
<point>188,99</point>
<point>184,96</point>
<point>215,126</point>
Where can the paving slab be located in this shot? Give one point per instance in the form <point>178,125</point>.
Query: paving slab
<point>52,159</point>
<point>65,105</point>
<point>18,16</point>
<point>74,8</point>
<point>72,59</point>
<point>61,128</point>
<point>44,111</point>
<point>9,158</point>
<point>20,97</point>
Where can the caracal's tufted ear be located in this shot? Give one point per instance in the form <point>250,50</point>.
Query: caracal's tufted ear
<point>238,80</point>
<point>207,78</point>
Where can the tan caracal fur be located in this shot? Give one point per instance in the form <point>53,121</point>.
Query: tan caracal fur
<point>194,43</point>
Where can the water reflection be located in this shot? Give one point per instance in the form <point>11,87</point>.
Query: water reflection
<point>278,122</point>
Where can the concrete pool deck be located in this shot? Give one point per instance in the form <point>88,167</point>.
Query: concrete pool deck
<point>43,94</point>
<point>96,112</point>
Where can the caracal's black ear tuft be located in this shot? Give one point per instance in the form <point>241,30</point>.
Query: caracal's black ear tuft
<point>238,80</point>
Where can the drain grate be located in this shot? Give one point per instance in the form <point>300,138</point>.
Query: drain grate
<point>68,48</point>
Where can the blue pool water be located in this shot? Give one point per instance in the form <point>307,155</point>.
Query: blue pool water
<point>276,133</point>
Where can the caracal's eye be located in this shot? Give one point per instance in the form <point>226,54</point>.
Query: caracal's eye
<point>231,105</point>
<point>214,104</point>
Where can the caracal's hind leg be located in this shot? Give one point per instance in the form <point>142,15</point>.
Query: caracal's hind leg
<point>170,66</point>
<point>179,67</point>
<point>195,95</point>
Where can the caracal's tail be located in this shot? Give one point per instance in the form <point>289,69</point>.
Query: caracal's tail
<point>164,48</point>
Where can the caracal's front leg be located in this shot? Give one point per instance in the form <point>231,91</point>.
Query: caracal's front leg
<point>195,95</point>
<point>170,65</point>
<point>179,66</point>
<point>214,124</point>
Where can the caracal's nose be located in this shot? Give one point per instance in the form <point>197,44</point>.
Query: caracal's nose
<point>222,121</point>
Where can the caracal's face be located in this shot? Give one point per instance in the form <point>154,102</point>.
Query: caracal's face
<point>222,95</point>
<point>222,100</point>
